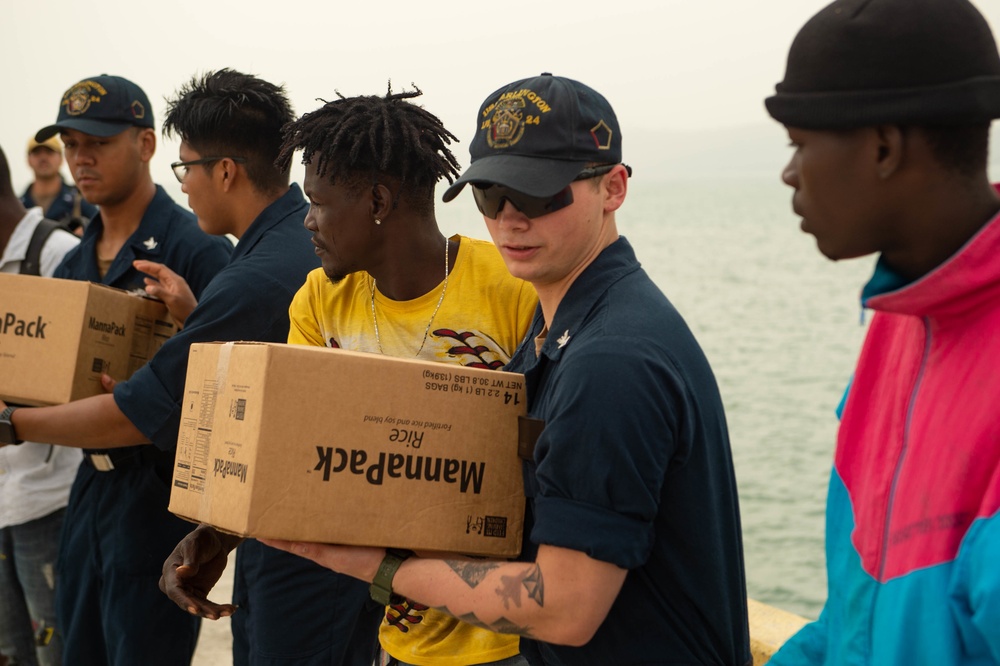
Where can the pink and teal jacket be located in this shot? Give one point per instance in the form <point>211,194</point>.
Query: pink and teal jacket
<point>913,529</point>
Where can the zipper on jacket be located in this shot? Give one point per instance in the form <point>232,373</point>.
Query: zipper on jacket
<point>895,476</point>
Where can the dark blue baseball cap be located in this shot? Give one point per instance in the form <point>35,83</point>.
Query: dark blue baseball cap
<point>536,135</point>
<point>101,106</point>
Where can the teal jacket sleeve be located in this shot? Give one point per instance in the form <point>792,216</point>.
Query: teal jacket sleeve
<point>978,583</point>
<point>806,648</point>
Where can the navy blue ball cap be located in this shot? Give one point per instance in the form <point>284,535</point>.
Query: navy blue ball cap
<point>101,106</point>
<point>536,135</point>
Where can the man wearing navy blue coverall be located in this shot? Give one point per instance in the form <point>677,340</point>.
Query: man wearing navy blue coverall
<point>117,526</point>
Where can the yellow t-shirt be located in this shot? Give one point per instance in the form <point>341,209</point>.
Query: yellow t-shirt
<point>483,315</point>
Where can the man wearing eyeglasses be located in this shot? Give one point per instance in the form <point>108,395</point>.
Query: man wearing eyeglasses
<point>632,551</point>
<point>117,529</point>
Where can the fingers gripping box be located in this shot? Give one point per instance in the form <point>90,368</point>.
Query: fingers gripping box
<point>58,336</point>
<point>328,445</point>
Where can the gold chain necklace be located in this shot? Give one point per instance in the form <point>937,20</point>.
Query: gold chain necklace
<point>371,289</point>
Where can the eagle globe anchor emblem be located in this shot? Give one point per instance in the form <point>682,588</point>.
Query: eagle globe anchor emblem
<point>506,127</point>
<point>79,101</point>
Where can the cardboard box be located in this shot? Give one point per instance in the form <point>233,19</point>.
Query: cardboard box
<point>58,336</point>
<point>327,445</point>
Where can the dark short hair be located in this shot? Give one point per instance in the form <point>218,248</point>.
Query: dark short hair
<point>231,114</point>
<point>355,139</point>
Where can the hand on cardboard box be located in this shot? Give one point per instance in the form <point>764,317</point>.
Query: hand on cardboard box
<point>108,383</point>
<point>193,569</point>
<point>169,287</point>
<point>357,561</point>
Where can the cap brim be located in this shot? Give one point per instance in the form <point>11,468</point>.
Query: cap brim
<point>534,176</point>
<point>93,127</point>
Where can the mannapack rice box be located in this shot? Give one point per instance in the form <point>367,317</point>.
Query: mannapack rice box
<point>58,336</point>
<point>328,445</point>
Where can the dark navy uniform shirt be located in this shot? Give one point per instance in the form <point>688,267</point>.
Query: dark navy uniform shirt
<point>247,300</point>
<point>167,234</point>
<point>633,467</point>
<point>61,209</point>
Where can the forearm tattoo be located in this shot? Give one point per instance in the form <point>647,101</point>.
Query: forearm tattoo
<point>501,626</point>
<point>472,573</point>
<point>510,590</point>
<point>529,579</point>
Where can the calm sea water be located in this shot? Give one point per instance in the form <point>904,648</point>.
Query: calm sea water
<point>780,325</point>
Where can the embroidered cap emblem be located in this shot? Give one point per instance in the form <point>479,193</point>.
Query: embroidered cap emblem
<point>602,135</point>
<point>78,99</point>
<point>506,127</point>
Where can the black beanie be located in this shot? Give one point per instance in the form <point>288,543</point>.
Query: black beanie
<point>865,62</point>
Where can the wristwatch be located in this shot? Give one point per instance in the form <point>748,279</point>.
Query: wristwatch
<point>381,587</point>
<point>7,435</point>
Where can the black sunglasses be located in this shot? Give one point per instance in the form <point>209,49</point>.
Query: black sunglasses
<point>490,197</point>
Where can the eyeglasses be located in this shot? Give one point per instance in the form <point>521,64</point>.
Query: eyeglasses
<point>490,197</point>
<point>180,169</point>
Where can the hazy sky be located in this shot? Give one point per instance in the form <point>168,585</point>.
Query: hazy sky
<point>664,64</point>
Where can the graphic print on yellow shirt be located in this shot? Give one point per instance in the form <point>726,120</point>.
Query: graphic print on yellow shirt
<point>483,316</point>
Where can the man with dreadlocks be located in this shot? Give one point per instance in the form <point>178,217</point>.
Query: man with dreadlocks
<point>392,283</point>
<point>631,551</point>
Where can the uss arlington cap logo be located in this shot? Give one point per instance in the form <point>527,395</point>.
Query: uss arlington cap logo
<point>511,115</point>
<point>506,119</point>
<point>78,99</point>
<point>506,127</point>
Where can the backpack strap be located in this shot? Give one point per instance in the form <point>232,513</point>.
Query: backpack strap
<point>32,260</point>
<point>76,220</point>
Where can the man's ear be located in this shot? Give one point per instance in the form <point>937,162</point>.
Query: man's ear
<point>615,188</point>
<point>147,143</point>
<point>382,202</point>
<point>227,171</point>
<point>891,149</point>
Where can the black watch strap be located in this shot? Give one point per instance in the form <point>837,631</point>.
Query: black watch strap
<point>381,587</point>
<point>7,427</point>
